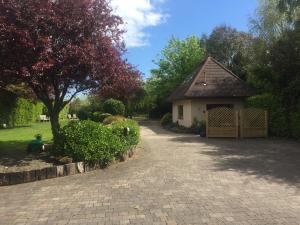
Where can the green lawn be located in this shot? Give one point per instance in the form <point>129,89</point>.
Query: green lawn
<point>16,139</point>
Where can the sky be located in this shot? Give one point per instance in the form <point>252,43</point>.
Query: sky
<point>151,23</point>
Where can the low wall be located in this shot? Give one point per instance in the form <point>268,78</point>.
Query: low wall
<point>52,172</point>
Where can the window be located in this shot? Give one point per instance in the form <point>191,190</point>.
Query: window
<point>180,112</point>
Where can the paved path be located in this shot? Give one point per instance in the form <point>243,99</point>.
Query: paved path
<point>177,179</point>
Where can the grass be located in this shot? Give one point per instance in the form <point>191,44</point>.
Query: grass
<point>15,140</point>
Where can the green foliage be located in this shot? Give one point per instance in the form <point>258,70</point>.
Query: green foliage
<point>295,120</point>
<point>134,132</point>
<point>84,113</point>
<point>99,116</point>
<point>17,111</point>
<point>114,107</point>
<point>90,141</point>
<point>276,116</point>
<point>96,117</point>
<point>198,126</point>
<point>269,22</point>
<point>64,112</point>
<point>166,119</point>
<point>111,119</point>
<point>103,116</point>
<point>177,62</point>
<point>231,48</point>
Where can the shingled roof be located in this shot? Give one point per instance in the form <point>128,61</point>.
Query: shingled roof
<point>210,80</point>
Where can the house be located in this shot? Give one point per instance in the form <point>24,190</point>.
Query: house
<point>212,85</point>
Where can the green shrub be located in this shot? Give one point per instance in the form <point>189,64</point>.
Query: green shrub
<point>277,121</point>
<point>134,132</point>
<point>112,119</point>
<point>166,119</point>
<point>90,141</point>
<point>84,113</point>
<point>114,107</point>
<point>103,116</point>
<point>198,126</point>
<point>96,116</point>
<point>99,116</point>
<point>295,121</point>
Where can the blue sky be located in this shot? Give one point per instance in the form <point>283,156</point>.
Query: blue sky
<point>151,23</point>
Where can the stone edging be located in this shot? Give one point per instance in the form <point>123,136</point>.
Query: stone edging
<point>52,172</point>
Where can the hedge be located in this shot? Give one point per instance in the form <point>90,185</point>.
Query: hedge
<point>114,107</point>
<point>17,111</point>
<point>91,141</point>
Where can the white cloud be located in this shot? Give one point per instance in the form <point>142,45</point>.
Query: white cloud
<point>138,15</point>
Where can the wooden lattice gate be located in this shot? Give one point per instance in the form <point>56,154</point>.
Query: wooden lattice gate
<point>227,122</point>
<point>253,123</point>
<point>222,122</point>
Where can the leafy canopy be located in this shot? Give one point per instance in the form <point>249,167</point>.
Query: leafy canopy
<point>176,64</point>
<point>230,47</point>
<point>59,48</point>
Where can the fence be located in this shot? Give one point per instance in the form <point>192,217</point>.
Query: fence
<point>222,122</point>
<point>227,122</point>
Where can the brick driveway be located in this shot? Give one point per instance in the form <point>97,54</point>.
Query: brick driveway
<point>176,179</point>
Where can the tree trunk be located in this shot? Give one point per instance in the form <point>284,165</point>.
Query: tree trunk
<point>55,127</point>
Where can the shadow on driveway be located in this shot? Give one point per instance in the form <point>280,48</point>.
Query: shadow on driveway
<point>272,159</point>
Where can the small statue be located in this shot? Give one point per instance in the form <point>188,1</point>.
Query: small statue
<point>37,145</point>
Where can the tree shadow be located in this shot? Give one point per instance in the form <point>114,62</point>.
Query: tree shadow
<point>14,153</point>
<point>271,159</point>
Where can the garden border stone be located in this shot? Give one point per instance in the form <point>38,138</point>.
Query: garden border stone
<point>53,172</point>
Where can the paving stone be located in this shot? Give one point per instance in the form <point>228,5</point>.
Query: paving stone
<point>177,179</point>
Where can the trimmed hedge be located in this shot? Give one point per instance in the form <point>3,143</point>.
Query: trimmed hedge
<point>17,111</point>
<point>91,141</point>
<point>114,107</point>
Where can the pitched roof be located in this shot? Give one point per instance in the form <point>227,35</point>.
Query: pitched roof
<point>212,79</point>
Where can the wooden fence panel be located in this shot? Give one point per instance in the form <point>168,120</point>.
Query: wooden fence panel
<point>253,123</point>
<point>222,122</point>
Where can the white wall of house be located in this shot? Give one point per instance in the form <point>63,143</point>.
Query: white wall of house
<point>196,108</point>
<point>187,113</point>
